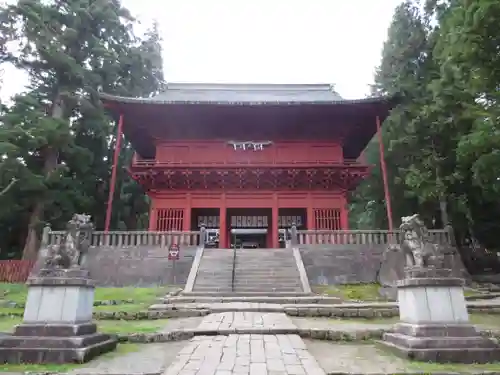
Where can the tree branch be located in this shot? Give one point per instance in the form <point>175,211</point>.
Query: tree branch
<point>8,187</point>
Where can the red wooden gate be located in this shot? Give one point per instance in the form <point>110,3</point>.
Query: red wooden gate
<point>327,219</point>
<point>169,219</point>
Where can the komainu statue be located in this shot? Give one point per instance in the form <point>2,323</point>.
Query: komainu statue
<point>415,243</point>
<point>76,243</point>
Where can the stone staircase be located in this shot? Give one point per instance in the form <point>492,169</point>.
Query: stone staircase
<point>266,271</point>
<point>214,272</point>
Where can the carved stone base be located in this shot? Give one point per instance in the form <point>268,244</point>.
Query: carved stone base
<point>457,343</point>
<point>429,297</point>
<point>59,296</point>
<point>55,343</point>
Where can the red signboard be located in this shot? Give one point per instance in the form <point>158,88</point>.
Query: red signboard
<point>173,252</point>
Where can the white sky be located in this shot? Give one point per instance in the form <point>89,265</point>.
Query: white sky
<point>264,41</point>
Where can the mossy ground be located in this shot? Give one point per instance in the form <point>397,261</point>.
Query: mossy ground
<point>360,292</point>
<point>142,297</point>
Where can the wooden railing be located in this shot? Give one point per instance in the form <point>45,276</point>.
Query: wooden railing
<point>363,237</point>
<point>131,239</point>
<point>15,271</point>
<point>261,163</point>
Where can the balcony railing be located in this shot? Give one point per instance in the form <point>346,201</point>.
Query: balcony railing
<point>364,237</point>
<point>236,163</point>
<point>133,239</point>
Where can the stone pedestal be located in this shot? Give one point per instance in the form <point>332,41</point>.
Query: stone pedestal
<point>57,325</point>
<point>434,323</point>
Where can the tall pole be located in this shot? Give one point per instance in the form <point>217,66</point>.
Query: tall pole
<point>112,182</point>
<point>384,175</point>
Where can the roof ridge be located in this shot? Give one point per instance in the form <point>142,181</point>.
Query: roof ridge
<point>249,86</point>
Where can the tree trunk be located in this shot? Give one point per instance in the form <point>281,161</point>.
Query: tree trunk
<point>51,156</point>
<point>443,208</point>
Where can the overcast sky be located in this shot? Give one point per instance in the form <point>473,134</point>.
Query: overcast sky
<point>264,41</point>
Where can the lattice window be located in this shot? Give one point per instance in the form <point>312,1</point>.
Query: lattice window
<point>327,219</point>
<point>169,219</point>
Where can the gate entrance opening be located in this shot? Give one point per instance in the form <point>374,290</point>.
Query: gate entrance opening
<point>248,238</point>
<point>249,227</point>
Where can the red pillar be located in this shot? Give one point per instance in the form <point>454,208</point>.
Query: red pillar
<point>344,214</point>
<point>384,175</point>
<point>152,219</point>
<point>310,216</point>
<point>274,223</point>
<point>223,224</point>
<point>112,182</point>
<point>186,227</point>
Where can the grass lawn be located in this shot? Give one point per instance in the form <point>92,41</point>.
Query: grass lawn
<point>363,292</point>
<point>142,297</point>
<point>25,368</point>
<point>427,368</point>
<point>360,292</point>
<point>104,326</point>
<point>17,293</point>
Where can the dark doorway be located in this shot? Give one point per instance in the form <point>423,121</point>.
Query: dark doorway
<point>210,218</point>
<point>249,227</point>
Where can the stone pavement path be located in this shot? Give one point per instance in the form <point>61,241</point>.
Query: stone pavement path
<point>245,354</point>
<point>251,354</point>
<point>246,321</point>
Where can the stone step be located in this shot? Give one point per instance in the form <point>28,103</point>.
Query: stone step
<point>246,294</point>
<point>265,274</point>
<point>267,282</point>
<point>212,290</point>
<point>284,300</point>
<point>264,289</point>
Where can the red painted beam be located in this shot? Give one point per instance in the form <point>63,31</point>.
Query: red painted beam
<point>112,183</point>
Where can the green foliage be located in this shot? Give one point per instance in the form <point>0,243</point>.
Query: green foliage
<point>57,139</point>
<point>442,142</point>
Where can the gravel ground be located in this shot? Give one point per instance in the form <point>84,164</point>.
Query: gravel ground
<point>149,359</point>
<point>354,359</point>
<point>182,323</point>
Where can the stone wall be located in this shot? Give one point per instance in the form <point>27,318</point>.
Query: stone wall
<point>141,266</point>
<point>341,264</point>
<point>351,264</point>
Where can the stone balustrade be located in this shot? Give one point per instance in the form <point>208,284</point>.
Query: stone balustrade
<point>304,237</point>
<point>364,237</point>
<point>133,238</point>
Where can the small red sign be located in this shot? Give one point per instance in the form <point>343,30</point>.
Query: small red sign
<point>173,252</point>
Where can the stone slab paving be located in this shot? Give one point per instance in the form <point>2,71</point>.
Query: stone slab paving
<point>149,359</point>
<point>245,320</point>
<point>245,354</point>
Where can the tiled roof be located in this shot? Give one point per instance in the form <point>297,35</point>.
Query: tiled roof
<point>242,94</point>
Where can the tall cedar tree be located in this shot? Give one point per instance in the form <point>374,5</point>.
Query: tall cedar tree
<point>70,49</point>
<point>400,73</point>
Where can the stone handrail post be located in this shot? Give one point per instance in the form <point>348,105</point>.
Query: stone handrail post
<point>293,235</point>
<point>203,235</point>
<point>45,235</point>
<point>451,234</point>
